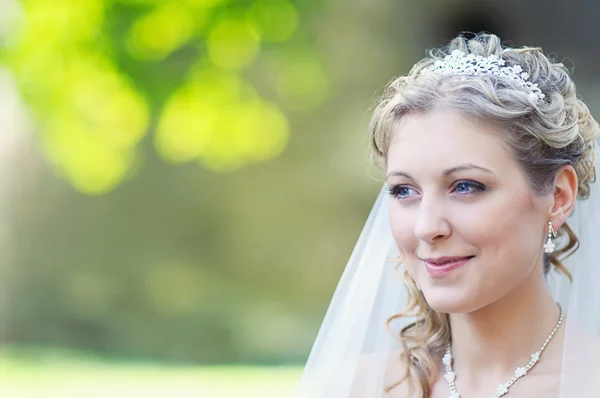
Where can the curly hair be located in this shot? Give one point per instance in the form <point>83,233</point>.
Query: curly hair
<point>543,136</point>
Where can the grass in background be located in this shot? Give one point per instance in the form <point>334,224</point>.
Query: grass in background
<point>56,375</point>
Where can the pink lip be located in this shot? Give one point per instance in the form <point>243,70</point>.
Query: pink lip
<point>437,270</point>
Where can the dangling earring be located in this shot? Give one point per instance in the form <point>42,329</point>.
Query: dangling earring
<point>549,245</point>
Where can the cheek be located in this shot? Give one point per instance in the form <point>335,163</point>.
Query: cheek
<point>517,237</point>
<point>497,219</point>
<point>507,234</point>
<point>402,222</point>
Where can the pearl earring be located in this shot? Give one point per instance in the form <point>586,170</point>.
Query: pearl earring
<point>549,246</point>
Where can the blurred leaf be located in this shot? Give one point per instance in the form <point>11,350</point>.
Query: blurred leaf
<point>220,119</point>
<point>97,121</point>
<point>232,43</point>
<point>62,21</point>
<point>92,115</point>
<point>302,83</point>
<point>163,30</point>
<point>276,20</point>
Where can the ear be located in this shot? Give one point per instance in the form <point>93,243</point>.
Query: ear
<point>564,195</point>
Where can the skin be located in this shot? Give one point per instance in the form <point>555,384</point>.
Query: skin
<point>458,191</point>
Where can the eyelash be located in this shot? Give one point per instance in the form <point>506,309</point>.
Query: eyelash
<point>476,187</point>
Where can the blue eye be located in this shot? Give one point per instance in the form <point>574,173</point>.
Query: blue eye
<point>468,187</point>
<point>400,192</point>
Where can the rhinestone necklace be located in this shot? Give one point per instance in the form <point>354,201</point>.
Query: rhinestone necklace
<point>502,389</point>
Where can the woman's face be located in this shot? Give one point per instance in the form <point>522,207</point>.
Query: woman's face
<point>458,193</point>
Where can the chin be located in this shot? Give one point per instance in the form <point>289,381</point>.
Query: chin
<point>449,300</point>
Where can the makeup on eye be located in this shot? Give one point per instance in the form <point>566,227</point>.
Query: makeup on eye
<point>476,186</point>
<point>460,187</point>
<point>397,191</point>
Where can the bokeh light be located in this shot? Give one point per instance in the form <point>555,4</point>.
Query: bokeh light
<point>219,118</point>
<point>163,30</point>
<point>302,83</point>
<point>232,43</point>
<point>276,20</point>
<point>93,112</point>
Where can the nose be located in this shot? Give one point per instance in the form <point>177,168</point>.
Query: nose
<point>431,225</point>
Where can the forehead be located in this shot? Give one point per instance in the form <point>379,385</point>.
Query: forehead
<point>444,138</point>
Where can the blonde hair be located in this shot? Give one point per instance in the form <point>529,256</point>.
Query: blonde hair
<point>543,137</point>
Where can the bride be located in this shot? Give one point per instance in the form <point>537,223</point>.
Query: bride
<point>459,284</point>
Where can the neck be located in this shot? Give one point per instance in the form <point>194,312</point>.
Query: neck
<point>501,336</point>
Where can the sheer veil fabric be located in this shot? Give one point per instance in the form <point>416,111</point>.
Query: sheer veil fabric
<point>354,355</point>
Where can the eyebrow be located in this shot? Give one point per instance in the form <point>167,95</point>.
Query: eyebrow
<point>446,173</point>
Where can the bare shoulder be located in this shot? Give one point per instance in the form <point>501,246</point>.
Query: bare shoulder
<point>374,364</point>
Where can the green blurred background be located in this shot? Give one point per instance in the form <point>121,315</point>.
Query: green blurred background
<point>182,181</point>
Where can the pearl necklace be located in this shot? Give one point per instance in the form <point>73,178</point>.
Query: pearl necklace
<point>502,389</point>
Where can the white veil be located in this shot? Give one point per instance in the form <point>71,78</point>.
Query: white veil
<point>349,358</point>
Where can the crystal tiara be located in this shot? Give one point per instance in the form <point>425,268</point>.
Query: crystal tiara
<point>459,63</point>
